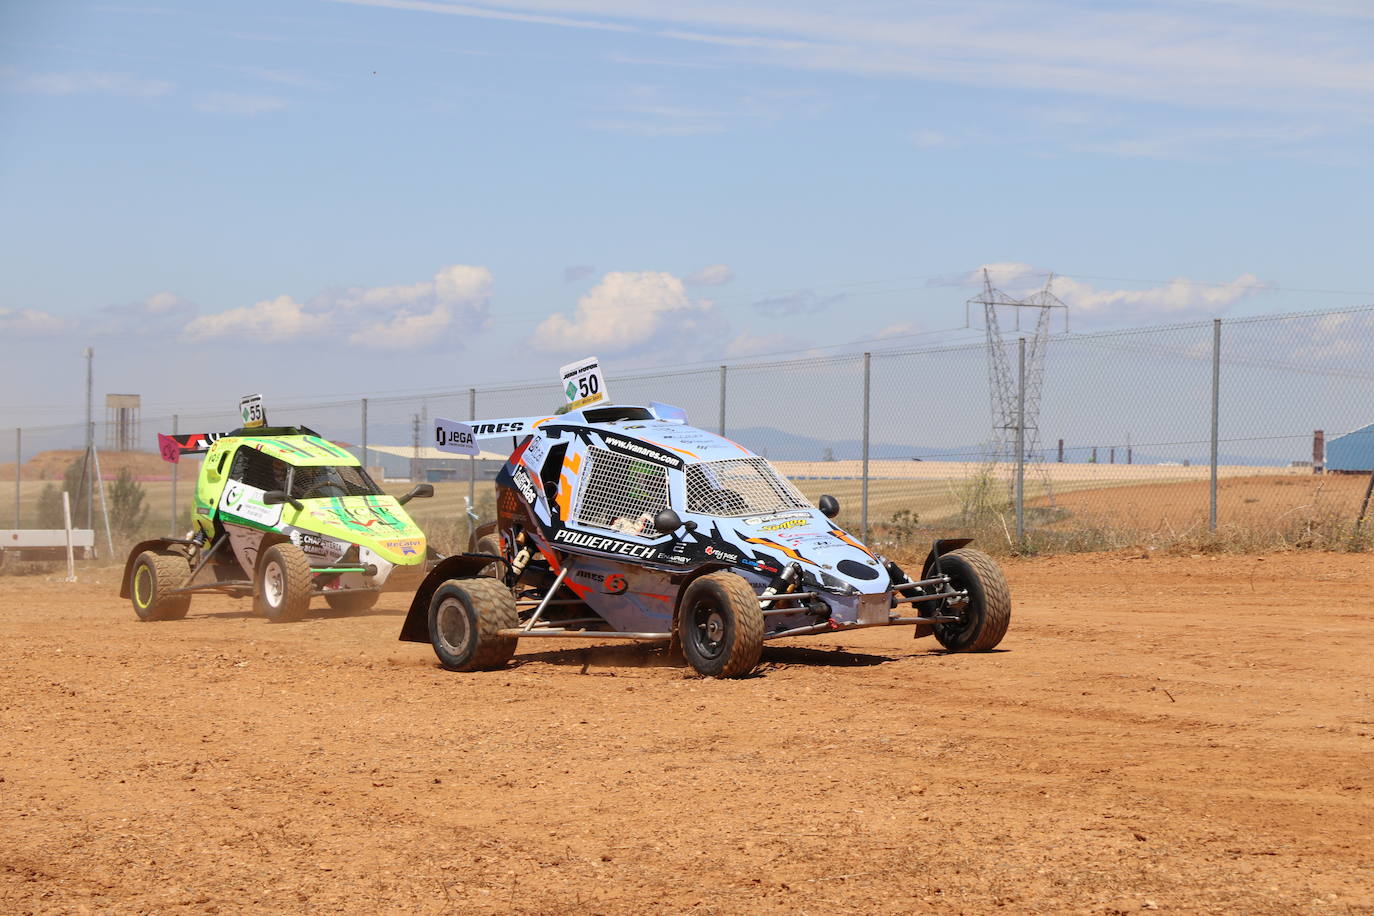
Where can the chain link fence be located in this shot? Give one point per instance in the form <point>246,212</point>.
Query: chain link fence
<point>1124,450</point>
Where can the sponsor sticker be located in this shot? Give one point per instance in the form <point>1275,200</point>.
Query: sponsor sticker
<point>783,526</point>
<point>769,519</point>
<point>721,555</point>
<point>604,544</point>
<point>454,437</point>
<point>525,485</point>
<point>642,450</point>
<point>408,547</point>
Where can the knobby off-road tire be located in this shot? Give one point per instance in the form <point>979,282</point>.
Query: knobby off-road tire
<point>153,576</point>
<point>464,617</point>
<point>352,602</point>
<point>989,602</point>
<point>491,543</point>
<point>284,583</point>
<point>720,625</point>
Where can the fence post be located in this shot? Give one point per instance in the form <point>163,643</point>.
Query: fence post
<point>868,358</point>
<point>1216,401</point>
<point>472,466</point>
<point>722,400</point>
<point>1020,443</point>
<point>364,443</point>
<point>172,513</point>
<point>18,463</point>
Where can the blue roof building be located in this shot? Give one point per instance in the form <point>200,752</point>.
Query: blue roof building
<point>1352,452</point>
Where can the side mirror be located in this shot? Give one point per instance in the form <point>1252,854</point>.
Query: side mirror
<point>420,490</point>
<point>829,506</point>
<point>277,497</point>
<point>667,521</point>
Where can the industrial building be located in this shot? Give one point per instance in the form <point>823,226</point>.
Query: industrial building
<point>1353,452</point>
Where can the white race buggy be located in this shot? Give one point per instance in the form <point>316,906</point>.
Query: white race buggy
<point>622,522</point>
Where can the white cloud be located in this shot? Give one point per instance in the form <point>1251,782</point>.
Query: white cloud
<point>801,302</point>
<point>86,82</point>
<point>31,323</point>
<point>711,275</point>
<point>157,314</point>
<point>1248,54</point>
<point>238,103</point>
<point>269,321</point>
<point>931,139</point>
<point>627,310</point>
<point>748,344</point>
<point>400,317</point>
<point>1178,299</point>
<point>406,331</point>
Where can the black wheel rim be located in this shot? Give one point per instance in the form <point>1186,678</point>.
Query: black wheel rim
<point>709,629</point>
<point>951,632</point>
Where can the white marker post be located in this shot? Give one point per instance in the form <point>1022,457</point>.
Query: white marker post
<point>67,522</point>
<point>582,383</point>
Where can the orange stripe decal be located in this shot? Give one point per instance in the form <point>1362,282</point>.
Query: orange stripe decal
<point>776,546</point>
<point>849,540</point>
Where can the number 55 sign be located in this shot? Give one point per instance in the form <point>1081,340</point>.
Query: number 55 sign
<point>582,383</point>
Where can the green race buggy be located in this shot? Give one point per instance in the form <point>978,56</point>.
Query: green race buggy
<point>281,515</point>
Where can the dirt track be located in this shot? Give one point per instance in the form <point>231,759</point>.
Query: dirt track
<point>1187,734</point>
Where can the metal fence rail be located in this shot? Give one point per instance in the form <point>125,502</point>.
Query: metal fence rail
<point>1148,434</point>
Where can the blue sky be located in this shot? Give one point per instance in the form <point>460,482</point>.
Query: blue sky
<point>332,198</point>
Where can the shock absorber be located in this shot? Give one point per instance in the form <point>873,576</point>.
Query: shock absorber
<point>522,556</point>
<point>784,583</point>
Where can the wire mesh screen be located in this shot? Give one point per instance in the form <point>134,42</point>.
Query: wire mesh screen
<point>1117,437</point>
<point>739,486</point>
<point>325,482</point>
<point>621,493</point>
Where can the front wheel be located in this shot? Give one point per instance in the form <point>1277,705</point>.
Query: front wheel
<point>720,625</point>
<point>153,576</point>
<point>351,601</point>
<point>464,618</point>
<point>984,617</point>
<point>284,583</point>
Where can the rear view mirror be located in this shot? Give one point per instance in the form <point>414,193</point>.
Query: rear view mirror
<point>277,497</point>
<point>667,521</point>
<point>420,490</point>
<point>829,506</point>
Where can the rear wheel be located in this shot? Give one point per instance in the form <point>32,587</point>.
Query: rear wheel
<point>491,544</point>
<point>464,617</point>
<point>284,583</point>
<point>987,612</point>
<point>351,602</point>
<point>153,576</point>
<point>720,625</point>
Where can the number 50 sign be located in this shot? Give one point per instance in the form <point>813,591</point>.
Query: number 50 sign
<point>582,383</point>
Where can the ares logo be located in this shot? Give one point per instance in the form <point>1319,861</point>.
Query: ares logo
<point>615,584</point>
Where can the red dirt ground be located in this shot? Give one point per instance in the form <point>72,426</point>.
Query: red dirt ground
<point>1187,734</point>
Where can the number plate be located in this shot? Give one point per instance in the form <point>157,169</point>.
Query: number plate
<point>583,385</point>
<point>250,408</point>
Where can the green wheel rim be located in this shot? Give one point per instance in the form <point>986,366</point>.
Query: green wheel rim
<point>143,586</point>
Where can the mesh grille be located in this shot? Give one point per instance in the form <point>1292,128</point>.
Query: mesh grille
<point>323,482</point>
<point>621,493</point>
<point>739,486</point>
